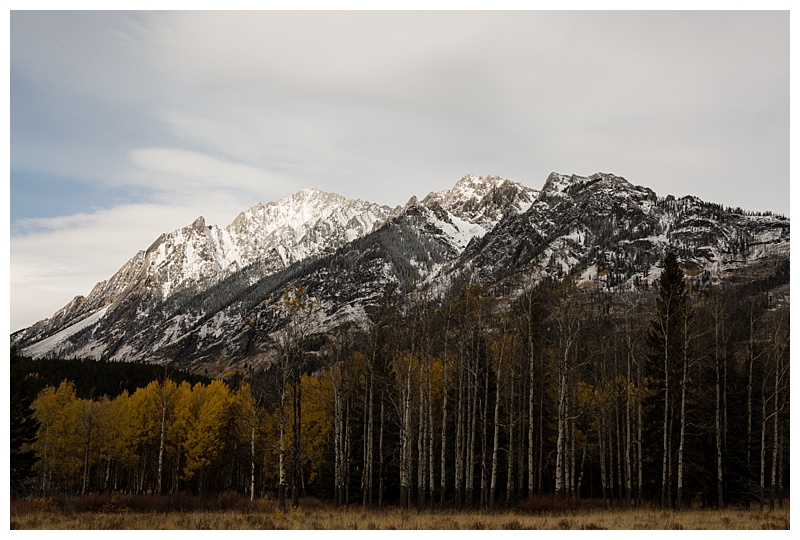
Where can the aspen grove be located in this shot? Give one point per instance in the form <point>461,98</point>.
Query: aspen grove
<point>676,395</point>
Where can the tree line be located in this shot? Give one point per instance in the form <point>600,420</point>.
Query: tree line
<point>676,395</point>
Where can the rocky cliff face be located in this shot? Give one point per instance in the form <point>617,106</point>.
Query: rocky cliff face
<point>203,295</point>
<point>196,257</point>
<point>604,228</point>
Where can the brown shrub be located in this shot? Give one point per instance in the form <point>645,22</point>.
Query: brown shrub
<point>512,525</point>
<point>543,504</point>
<point>477,525</point>
<point>592,527</point>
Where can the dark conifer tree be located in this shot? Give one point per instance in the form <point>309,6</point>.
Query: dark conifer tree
<point>665,340</point>
<point>24,427</point>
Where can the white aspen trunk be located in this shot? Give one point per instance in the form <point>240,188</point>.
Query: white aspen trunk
<point>603,478</point>
<point>297,402</point>
<point>628,486</point>
<point>718,428</point>
<point>469,444</point>
<point>45,462</point>
<point>510,485</point>
<point>484,428</point>
<point>780,472</point>
<point>471,434</point>
<point>337,444</point>
<point>459,459</point>
<point>143,467</point>
<point>665,428</point>
<point>639,457</point>
<point>346,455</point>
<point>253,458</point>
<point>421,457</point>
<point>465,435</point>
<point>429,441</point>
<point>163,437</point>
<point>405,460</point>
<point>531,440</point>
<point>365,444</point>
<point>531,378</point>
<point>763,445</point>
<point>682,435</point>
<point>540,466</point>
<point>282,453</point>
<point>568,327</point>
<point>176,473</point>
<point>562,385</point>
<point>369,467</point>
<point>572,455</point>
<point>380,453</point>
<point>89,426</point>
<point>670,462</point>
<point>108,473</point>
<point>403,466</point>
<point>750,362</point>
<point>443,460</point>
<point>620,453</point>
<point>610,440</point>
<point>408,430</point>
<point>725,403</point>
<point>369,446</point>
<point>774,434</point>
<point>496,440</point>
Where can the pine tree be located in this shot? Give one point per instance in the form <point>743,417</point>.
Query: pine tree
<point>23,429</point>
<point>666,343</point>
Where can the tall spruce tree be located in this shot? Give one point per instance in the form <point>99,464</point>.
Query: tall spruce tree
<point>24,427</point>
<point>665,340</point>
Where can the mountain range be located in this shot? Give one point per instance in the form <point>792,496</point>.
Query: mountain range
<point>205,297</point>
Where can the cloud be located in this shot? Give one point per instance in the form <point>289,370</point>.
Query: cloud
<point>351,101</point>
<point>179,175</point>
<point>55,259</point>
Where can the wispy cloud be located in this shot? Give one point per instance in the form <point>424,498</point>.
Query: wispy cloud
<point>55,259</point>
<point>181,175</point>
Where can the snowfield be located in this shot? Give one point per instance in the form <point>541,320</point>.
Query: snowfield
<point>52,343</point>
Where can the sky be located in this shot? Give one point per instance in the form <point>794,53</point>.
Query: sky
<point>125,125</point>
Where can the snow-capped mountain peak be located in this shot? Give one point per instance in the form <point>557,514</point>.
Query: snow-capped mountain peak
<point>188,296</point>
<point>195,257</point>
<point>567,184</point>
<point>483,200</point>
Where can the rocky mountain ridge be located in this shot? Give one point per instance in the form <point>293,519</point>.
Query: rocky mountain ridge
<point>603,227</point>
<point>145,302</point>
<point>273,235</point>
<point>203,295</point>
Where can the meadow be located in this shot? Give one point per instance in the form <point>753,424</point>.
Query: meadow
<point>130,513</point>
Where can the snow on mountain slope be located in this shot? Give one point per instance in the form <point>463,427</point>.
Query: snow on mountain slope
<point>406,251</point>
<point>179,286</point>
<point>52,343</point>
<point>194,257</point>
<point>483,201</point>
<point>605,228</point>
<point>203,295</point>
<point>300,225</point>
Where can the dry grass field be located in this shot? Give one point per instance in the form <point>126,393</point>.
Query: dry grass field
<point>46,514</point>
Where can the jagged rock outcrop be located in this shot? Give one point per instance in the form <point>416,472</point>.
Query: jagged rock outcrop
<point>203,295</point>
<point>602,227</point>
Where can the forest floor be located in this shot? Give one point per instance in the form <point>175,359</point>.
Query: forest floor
<point>49,514</point>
